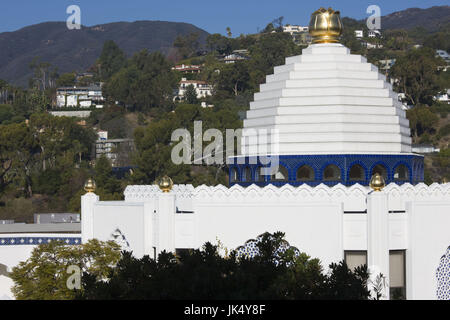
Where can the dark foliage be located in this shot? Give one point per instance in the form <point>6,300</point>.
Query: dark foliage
<point>204,274</point>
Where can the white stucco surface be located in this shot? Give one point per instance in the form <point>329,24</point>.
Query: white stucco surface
<point>321,221</point>
<point>5,288</point>
<point>327,100</point>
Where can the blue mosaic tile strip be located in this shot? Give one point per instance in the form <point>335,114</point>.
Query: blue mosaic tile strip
<point>15,241</point>
<point>414,164</point>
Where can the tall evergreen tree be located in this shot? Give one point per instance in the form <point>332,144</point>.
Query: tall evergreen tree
<point>111,60</point>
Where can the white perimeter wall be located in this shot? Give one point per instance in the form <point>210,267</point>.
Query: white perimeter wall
<point>11,255</point>
<point>321,221</point>
<point>315,228</point>
<point>429,238</point>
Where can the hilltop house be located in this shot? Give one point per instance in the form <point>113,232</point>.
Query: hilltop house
<point>187,68</point>
<point>236,55</point>
<point>83,97</point>
<point>359,34</point>
<point>300,34</point>
<point>374,34</point>
<point>202,88</point>
<point>443,97</point>
<point>443,54</point>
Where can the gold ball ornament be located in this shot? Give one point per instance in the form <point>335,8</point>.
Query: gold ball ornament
<point>165,184</point>
<point>90,185</point>
<point>377,182</point>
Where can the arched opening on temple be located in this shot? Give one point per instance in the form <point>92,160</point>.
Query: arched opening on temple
<point>247,176</point>
<point>401,173</point>
<point>281,175</point>
<point>259,174</point>
<point>305,173</point>
<point>356,173</point>
<point>381,170</point>
<point>233,175</point>
<point>332,172</point>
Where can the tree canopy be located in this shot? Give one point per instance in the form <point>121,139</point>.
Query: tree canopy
<point>146,82</point>
<point>417,75</point>
<point>44,275</point>
<point>206,274</point>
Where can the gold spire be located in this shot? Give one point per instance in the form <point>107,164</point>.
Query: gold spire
<point>165,184</point>
<point>377,182</point>
<point>325,26</point>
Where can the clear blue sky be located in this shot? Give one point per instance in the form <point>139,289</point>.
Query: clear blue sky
<point>242,16</point>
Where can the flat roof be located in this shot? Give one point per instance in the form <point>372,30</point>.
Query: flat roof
<point>41,228</point>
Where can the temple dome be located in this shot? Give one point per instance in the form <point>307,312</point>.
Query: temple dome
<point>327,101</point>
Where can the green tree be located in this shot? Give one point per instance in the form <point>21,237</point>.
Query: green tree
<point>275,272</point>
<point>188,45</point>
<point>154,145</point>
<point>147,82</point>
<point>269,51</point>
<point>190,94</point>
<point>422,120</point>
<point>108,186</point>
<point>229,34</point>
<point>17,151</point>
<point>417,75</point>
<point>44,275</point>
<point>6,112</point>
<point>44,75</point>
<point>439,40</point>
<point>235,78</point>
<point>111,60</point>
<point>219,43</point>
<point>66,80</point>
<point>58,136</point>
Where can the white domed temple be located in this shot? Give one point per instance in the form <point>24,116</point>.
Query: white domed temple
<point>338,126</point>
<point>337,121</point>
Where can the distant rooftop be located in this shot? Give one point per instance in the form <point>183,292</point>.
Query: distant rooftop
<point>93,87</point>
<point>41,228</point>
<point>43,218</point>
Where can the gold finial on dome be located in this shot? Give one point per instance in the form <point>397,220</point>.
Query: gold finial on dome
<point>165,184</point>
<point>325,26</point>
<point>90,185</point>
<point>377,182</point>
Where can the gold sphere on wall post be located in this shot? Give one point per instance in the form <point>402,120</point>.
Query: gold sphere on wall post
<point>325,26</point>
<point>165,184</point>
<point>377,182</point>
<point>90,185</point>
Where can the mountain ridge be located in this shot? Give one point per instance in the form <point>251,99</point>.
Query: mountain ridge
<point>77,50</point>
<point>430,18</point>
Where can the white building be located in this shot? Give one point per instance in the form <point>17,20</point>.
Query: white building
<point>294,29</point>
<point>202,88</point>
<point>443,54</point>
<point>374,33</point>
<point>112,149</point>
<point>236,55</point>
<point>324,101</point>
<point>424,148</point>
<point>443,97</point>
<point>83,97</point>
<point>187,68</point>
<point>300,34</point>
<point>386,64</point>
<point>337,123</point>
<point>359,34</point>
